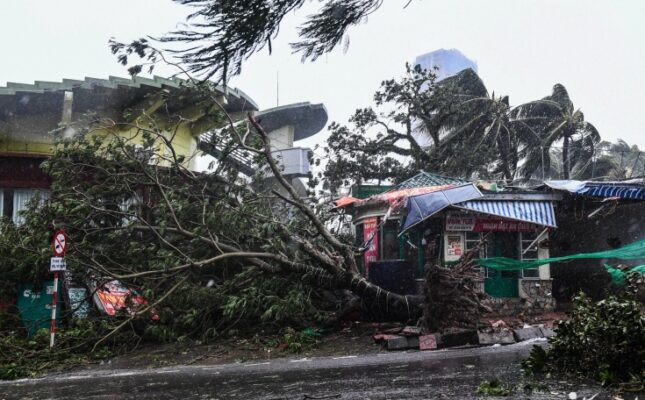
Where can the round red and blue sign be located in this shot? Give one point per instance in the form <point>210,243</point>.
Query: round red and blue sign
<point>60,243</point>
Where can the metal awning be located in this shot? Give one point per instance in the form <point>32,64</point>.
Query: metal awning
<point>535,212</point>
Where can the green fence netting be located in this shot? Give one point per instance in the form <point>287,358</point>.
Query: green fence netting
<point>632,251</point>
<point>618,276</point>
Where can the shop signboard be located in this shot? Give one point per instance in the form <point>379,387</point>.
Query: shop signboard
<point>370,236</point>
<point>460,223</point>
<point>472,223</point>
<point>502,225</point>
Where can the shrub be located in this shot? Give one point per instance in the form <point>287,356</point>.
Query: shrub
<point>604,341</point>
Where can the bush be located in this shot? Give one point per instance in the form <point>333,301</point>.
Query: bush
<point>28,357</point>
<point>604,341</point>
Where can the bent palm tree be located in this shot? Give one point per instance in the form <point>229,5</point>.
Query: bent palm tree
<point>485,123</point>
<point>554,118</point>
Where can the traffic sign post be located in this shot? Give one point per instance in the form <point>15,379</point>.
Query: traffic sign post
<point>59,245</point>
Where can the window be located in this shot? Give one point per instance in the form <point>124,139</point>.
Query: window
<point>390,240</point>
<point>21,198</point>
<point>529,254</point>
<point>472,240</point>
<point>130,206</point>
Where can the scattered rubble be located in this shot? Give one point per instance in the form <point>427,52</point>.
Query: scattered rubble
<point>499,337</point>
<point>527,333</point>
<point>427,342</point>
<point>498,333</point>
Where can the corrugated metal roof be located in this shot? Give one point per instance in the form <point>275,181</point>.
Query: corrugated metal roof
<point>428,179</point>
<point>535,212</point>
<point>113,82</point>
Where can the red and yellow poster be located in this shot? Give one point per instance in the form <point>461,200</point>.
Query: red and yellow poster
<point>115,297</point>
<point>370,236</point>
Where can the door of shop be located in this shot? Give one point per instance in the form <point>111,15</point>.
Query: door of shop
<point>503,283</point>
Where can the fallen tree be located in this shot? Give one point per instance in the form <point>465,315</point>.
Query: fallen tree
<point>209,251</point>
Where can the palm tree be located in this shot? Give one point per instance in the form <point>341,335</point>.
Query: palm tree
<point>478,125</point>
<point>617,160</point>
<point>488,122</point>
<point>554,119</point>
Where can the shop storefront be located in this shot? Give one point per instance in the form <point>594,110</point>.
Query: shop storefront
<point>439,227</point>
<point>503,238</point>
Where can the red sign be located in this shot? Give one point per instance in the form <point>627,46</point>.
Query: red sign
<point>370,226</point>
<point>60,243</point>
<point>114,297</point>
<point>503,225</point>
<point>472,223</point>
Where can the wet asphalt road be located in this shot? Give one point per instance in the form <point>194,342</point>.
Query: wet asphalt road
<point>447,374</point>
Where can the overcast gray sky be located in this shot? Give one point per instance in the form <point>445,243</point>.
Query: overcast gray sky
<point>595,48</point>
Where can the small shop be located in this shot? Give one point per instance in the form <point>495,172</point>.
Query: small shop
<point>503,238</point>
<point>412,227</point>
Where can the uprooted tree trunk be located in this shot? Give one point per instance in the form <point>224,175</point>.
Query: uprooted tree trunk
<point>345,269</point>
<point>453,295</point>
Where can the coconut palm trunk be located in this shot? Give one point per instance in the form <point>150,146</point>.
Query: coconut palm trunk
<point>566,168</point>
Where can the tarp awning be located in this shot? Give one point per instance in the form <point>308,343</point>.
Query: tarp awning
<point>535,212</point>
<point>424,206</point>
<point>632,190</point>
<point>622,191</point>
<point>345,201</point>
<point>393,197</point>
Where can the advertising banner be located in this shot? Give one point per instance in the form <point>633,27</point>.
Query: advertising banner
<point>454,247</point>
<point>370,236</point>
<point>114,297</point>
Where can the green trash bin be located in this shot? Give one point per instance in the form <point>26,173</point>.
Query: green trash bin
<point>35,306</point>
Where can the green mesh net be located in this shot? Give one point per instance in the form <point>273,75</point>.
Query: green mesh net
<point>632,251</point>
<point>618,276</point>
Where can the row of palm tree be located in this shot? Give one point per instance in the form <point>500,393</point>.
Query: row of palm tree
<point>523,137</point>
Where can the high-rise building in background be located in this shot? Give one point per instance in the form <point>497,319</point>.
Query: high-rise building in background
<point>449,62</point>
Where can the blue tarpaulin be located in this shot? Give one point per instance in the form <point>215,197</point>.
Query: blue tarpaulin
<point>632,190</point>
<point>426,205</point>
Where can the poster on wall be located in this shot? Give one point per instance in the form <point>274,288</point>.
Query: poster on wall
<point>370,236</point>
<point>454,247</point>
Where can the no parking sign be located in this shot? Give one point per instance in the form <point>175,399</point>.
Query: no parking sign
<point>60,243</point>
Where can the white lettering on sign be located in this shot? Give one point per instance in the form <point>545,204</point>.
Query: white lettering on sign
<point>459,223</point>
<point>29,293</point>
<point>57,264</point>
